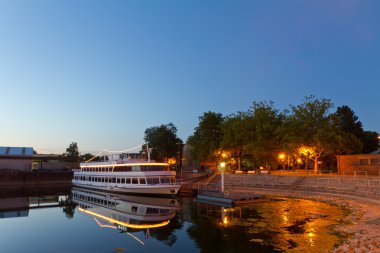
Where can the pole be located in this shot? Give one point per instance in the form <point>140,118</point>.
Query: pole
<point>222,182</point>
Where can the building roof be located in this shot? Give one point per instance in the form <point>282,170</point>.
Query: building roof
<point>16,151</point>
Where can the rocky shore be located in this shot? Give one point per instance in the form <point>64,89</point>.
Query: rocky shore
<point>363,227</point>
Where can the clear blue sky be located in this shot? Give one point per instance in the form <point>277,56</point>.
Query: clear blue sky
<point>100,72</point>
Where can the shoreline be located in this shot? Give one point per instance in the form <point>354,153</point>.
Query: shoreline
<point>360,229</point>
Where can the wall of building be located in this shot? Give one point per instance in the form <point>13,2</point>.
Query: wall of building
<point>52,166</point>
<point>359,164</point>
<point>16,164</point>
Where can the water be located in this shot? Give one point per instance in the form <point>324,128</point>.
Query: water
<point>65,220</point>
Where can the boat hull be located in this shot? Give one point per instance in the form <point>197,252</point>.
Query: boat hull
<point>157,190</point>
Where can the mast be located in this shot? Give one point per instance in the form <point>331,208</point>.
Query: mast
<point>148,151</point>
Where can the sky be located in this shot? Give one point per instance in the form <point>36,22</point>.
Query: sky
<point>101,72</point>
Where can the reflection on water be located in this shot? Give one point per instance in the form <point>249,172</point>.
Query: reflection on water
<point>92,221</point>
<point>276,224</point>
<point>125,213</point>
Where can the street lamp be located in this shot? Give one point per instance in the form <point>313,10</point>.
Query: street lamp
<point>281,156</point>
<point>180,156</point>
<point>222,167</point>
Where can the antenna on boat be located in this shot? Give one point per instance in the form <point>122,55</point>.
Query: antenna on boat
<point>148,151</point>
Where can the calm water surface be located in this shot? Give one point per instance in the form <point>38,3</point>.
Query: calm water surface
<point>77,220</point>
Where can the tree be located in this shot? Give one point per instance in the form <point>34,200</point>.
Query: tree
<point>72,152</point>
<point>348,121</point>
<point>207,137</point>
<point>234,135</point>
<point>313,131</point>
<point>88,156</point>
<point>163,140</point>
<point>265,122</point>
<point>370,141</point>
<point>350,124</point>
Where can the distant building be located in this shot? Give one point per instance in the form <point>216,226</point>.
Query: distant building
<point>52,162</point>
<point>16,158</point>
<point>359,164</point>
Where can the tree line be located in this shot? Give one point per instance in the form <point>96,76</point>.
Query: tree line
<point>263,135</point>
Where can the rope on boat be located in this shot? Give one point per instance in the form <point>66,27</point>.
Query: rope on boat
<point>113,152</point>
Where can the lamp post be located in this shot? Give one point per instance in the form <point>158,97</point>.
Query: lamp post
<point>281,156</point>
<point>222,167</point>
<point>180,157</point>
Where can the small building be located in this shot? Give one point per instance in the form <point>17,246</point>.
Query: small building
<point>16,158</point>
<point>53,162</point>
<point>360,164</point>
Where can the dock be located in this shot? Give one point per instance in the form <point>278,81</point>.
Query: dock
<point>228,200</point>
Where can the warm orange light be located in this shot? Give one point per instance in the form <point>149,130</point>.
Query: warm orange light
<point>224,155</point>
<point>307,151</point>
<point>299,160</point>
<point>222,164</point>
<point>281,156</point>
<point>135,226</point>
<point>225,220</point>
<point>172,161</point>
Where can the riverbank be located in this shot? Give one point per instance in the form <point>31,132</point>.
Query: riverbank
<point>360,230</point>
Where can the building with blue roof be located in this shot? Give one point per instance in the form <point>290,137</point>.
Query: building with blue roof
<point>16,158</point>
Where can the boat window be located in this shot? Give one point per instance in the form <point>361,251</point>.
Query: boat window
<point>127,180</point>
<point>136,168</point>
<point>142,181</point>
<point>135,181</point>
<point>102,179</point>
<point>134,208</point>
<point>118,180</point>
<point>165,180</point>
<point>113,180</point>
<point>149,180</point>
<point>123,180</point>
<point>154,168</point>
<point>150,210</point>
<point>122,168</point>
<point>156,180</point>
<point>172,179</point>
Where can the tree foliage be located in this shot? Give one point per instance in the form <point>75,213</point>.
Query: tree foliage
<point>235,135</point>
<point>72,152</point>
<point>350,124</point>
<point>163,140</point>
<point>370,141</point>
<point>264,125</point>
<point>207,136</point>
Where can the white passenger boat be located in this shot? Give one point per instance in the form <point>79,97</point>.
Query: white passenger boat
<point>124,173</point>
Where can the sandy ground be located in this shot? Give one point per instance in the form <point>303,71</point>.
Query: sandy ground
<point>362,226</point>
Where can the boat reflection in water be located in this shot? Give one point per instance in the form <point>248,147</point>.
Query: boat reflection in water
<point>124,212</point>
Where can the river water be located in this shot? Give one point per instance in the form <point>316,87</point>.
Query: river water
<point>78,220</point>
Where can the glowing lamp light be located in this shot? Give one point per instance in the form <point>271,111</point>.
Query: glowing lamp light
<point>281,156</point>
